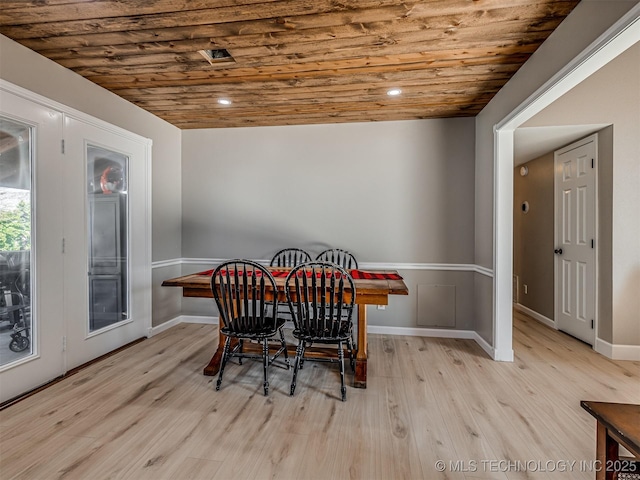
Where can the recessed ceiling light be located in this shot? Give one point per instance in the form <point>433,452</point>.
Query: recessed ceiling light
<point>224,101</point>
<point>394,92</point>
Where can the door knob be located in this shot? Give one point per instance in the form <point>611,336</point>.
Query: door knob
<point>558,251</point>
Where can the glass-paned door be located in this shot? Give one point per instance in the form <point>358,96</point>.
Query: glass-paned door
<point>16,160</point>
<point>31,290</point>
<point>106,272</point>
<point>107,236</point>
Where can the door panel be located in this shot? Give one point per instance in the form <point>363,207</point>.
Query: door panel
<point>575,237</point>
<point>37,267</point>
<point>107,255</point>
<point>566,287</point>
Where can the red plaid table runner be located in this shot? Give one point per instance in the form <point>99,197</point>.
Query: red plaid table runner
<point>356,274</point>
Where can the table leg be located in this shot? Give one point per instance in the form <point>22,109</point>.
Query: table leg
<point>214,364</point>
<point>606,454</point>
<point>360,380</point>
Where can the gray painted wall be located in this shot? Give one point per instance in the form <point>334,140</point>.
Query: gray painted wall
<point>390,192</point>
<point>29,70</point>
<point>585,24</point>
<point>612,95</point>
<point>533,235</point>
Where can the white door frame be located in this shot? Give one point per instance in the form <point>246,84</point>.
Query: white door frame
<point>618,38</point>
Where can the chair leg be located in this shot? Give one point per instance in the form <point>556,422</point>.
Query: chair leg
<point>240,345</point>
<point>265,364</point>
<point>225,357</point>
<point>352,360</point>
<point>302,358</point>
<point>343,389</point>
<point>286,354</point>
<point>296,364</point>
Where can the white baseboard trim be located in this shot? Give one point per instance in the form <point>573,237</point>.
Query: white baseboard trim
<point>153,331</point>
<point>206,319</point>
<point>533,314</point>
<point>421,332</point>
<point>371,329</point>
<point>182,319</point>
<point>617,352</point>
<point>436,333</point>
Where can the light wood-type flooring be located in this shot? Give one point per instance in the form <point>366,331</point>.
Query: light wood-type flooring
<point>149,413</point>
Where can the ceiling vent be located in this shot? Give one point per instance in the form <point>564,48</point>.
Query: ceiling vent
<point>216,56</point>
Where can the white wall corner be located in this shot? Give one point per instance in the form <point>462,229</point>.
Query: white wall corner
<point>484,345</point>
<point>617,352</point>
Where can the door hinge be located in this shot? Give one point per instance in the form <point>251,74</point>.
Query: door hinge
<point>592,322</point>
<point>62,146</point>
<point>592,243</point>
<point>64,343</point>
<point>63,244</point>
<point>592,163</point>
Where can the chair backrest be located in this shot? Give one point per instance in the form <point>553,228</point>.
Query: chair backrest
<point>339,257</point>
<point>239,288</point>
<point>321,297</point>
<point>290,257</point>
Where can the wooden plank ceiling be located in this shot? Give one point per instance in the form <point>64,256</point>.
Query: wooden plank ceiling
<point>294,62</point>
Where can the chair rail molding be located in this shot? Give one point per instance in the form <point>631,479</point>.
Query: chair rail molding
<point>446,267</point>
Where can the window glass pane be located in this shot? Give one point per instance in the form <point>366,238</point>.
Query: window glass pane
<point>108,235</point>
<point>15,240</point>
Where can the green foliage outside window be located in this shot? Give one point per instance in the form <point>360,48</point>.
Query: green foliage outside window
<point>15,228</point>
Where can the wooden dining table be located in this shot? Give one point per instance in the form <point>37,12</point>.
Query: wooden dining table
<point>373,287</point>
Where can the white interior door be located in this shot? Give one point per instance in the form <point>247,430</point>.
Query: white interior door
<point>575,229</point>
<point>107,259</point>
<point>31,298</point>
